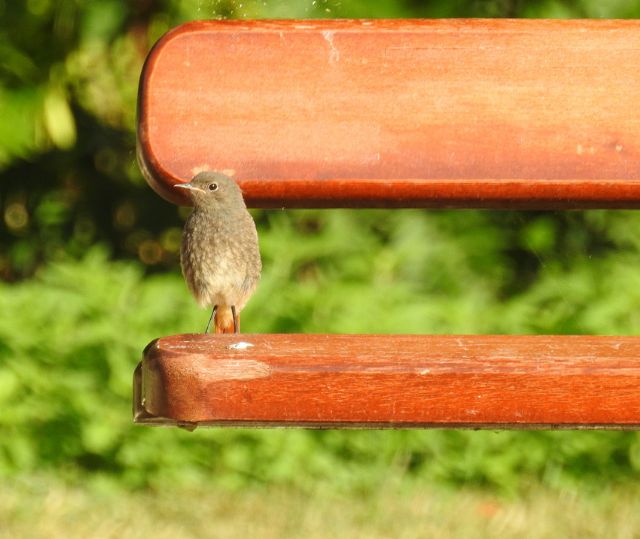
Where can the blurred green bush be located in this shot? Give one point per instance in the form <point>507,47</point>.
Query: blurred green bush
<point>88,264</point>
<point>70,338</point>
<point>68,84</point>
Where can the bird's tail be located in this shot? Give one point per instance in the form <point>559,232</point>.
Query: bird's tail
<point>223,320</point>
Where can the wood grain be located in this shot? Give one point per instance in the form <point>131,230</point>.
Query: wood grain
<point>404,113</point>
<point>390,381</point>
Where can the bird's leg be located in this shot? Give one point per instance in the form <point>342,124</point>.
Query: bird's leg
<point>236,325</point>
<point>213,312</point>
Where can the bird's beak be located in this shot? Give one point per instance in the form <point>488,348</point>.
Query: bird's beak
<point>188,186</point>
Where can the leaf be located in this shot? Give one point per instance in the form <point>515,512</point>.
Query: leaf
<point>58,120</point>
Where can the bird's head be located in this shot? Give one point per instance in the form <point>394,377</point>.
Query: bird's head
<point>213,190</point>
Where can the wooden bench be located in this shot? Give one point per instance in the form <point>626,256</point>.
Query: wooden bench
<point>527,114</point>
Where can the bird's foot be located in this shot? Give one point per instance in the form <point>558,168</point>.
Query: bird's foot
<point>236,321</point>
<point>213,312</point>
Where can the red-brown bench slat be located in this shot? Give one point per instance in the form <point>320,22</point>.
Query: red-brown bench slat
<point>404,113</point>
<point>390,381</point>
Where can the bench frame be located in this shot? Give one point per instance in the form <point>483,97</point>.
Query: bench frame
<point>518,114</point>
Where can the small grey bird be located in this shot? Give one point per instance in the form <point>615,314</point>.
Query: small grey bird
<point>219,255</point>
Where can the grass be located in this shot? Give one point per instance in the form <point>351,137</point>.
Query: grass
<point>38,508</point>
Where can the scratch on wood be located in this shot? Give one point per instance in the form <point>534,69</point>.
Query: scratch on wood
<point>334,53</point>
<point>234,369</point>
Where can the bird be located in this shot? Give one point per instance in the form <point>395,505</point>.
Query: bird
<point>219,252</point>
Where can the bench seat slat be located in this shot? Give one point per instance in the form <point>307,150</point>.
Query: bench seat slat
<point>391,381</point>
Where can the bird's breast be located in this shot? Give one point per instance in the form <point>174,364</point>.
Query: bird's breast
<point>218,260</point>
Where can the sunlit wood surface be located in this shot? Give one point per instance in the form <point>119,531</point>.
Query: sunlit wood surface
<point>391,381</point>
<point>447,113</point>
<point>406,113</point>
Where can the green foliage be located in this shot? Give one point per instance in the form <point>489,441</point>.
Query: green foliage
<point>72,336</point>
<point>76,318</point>
<point>68,85</point>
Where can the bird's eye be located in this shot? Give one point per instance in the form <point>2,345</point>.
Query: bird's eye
<point>213,187</point>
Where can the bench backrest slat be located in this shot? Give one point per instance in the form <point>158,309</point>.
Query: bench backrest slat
<point>448,113</point>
